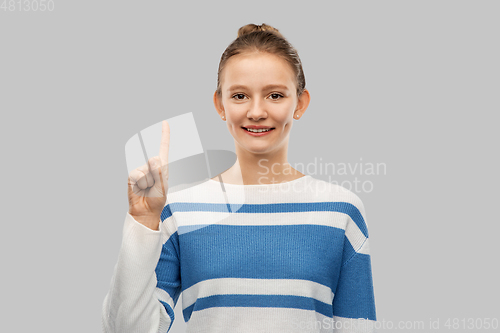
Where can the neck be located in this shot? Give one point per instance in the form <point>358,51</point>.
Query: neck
<point>266,168</point>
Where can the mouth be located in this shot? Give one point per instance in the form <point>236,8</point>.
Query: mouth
<point>258,131</point>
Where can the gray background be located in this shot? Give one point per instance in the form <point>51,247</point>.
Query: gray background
<point>412,84</point>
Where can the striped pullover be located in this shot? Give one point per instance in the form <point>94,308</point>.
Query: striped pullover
<point>284,257</point>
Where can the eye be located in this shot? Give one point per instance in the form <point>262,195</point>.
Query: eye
<point>238,95</point>
<point>276,94</point>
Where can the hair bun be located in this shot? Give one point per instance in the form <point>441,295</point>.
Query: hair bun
<point>253,38</point>
<point>249,28</point>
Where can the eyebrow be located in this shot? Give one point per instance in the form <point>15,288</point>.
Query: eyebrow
<point>269,86</point>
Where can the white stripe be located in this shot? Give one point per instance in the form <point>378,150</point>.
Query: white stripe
<point>354,235</point>
<point>251,320</point>
<point>332,219</point>
<point>163,296</point>
<point>240,286</point>
<point>168,227</point>
<point>308,190</point>
<point>365,249</point>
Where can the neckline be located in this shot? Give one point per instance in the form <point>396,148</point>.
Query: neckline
<point>261,185</point>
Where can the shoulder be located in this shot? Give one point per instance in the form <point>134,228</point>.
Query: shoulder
<point>343,200</point>
<point>335,193</point>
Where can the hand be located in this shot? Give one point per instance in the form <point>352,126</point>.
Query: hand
<point>147,185</point>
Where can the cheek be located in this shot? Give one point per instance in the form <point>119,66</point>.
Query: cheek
<point>286,120</point>
<point>232,124</point>
<point>285,114</point>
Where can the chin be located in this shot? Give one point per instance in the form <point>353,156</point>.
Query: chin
<point>259,149</point>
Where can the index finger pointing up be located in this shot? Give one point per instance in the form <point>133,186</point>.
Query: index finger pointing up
<point>165,142</point>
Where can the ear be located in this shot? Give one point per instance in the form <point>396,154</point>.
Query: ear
<point>219,107</point>
<point>302,104</point>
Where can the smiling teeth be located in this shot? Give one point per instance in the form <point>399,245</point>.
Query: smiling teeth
<point>258,130</point>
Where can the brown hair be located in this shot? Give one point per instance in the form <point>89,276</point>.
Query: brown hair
<point>263,38</point>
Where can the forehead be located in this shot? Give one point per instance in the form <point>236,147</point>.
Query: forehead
<point>257,70</point>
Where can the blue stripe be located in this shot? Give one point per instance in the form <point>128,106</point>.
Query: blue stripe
<point>168,268</point>
<point>304,251</point>
<point>260,301</point>
<point>291,207</point>
<point>166,213</point>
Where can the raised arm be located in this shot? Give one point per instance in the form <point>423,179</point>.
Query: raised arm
<point>137,301</point>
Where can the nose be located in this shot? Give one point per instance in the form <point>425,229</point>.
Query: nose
<point>257,110</point>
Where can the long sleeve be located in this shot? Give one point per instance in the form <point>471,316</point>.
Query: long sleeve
<point>354,302</point>
<point>134,302</point>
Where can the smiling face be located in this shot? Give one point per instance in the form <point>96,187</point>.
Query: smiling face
<point>258,90</point>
